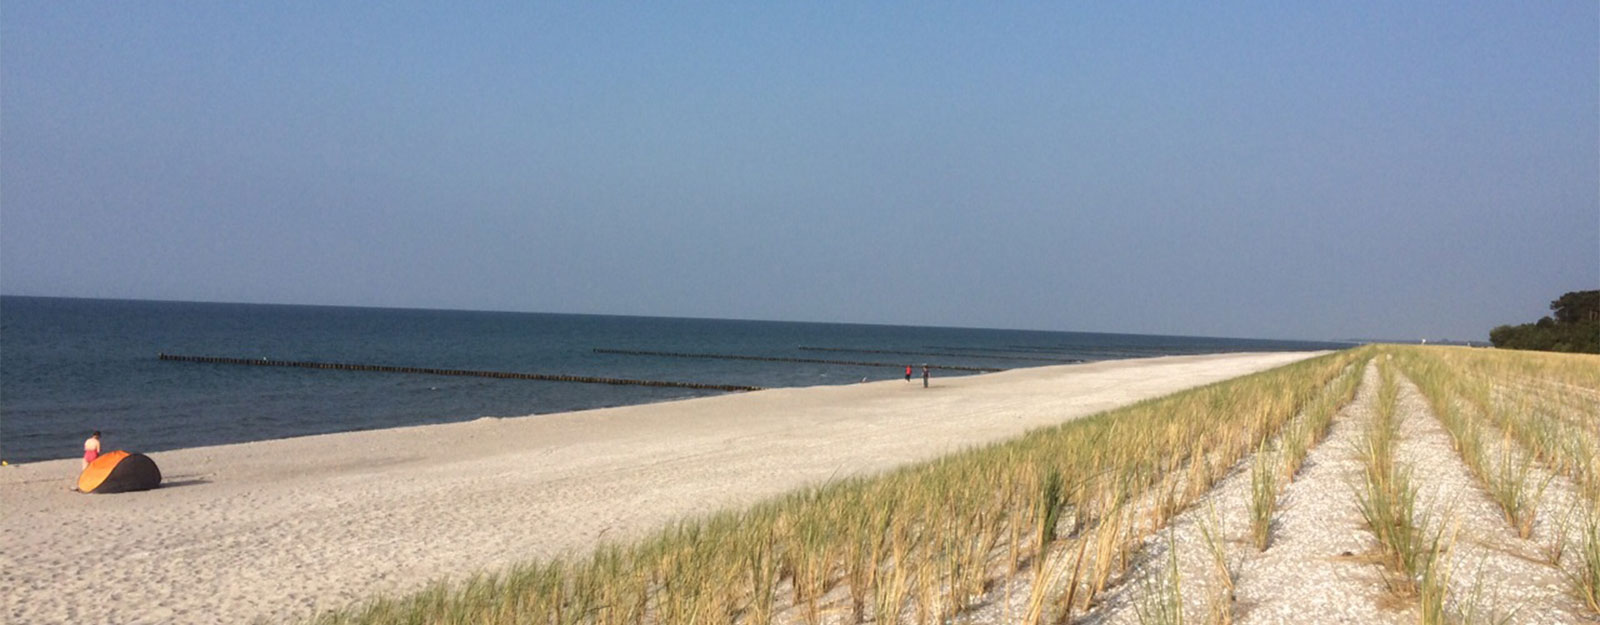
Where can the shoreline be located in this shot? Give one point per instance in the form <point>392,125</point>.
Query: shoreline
<point>284,528</point>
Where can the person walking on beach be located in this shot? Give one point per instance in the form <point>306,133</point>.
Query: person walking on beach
<point>908,373</point>
<point>91,449</point>
<point>924,376</point>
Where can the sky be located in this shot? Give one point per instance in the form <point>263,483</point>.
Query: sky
<point>1269,170</point>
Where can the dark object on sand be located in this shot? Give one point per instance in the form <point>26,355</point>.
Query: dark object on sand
<point>119,472</point>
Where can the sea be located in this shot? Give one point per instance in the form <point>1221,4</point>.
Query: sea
<point>72,366</point>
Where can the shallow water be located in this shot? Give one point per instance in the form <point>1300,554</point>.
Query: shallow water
<point>69,366</point>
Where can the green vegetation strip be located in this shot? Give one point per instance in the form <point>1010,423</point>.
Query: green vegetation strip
<point>922,543</point>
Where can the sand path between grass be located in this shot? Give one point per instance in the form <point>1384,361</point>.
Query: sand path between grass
<point>1493,572</point>
<point>282,529</point>
<point>1320,565</point>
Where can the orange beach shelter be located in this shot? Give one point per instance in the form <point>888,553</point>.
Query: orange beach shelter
<point>119,472</point>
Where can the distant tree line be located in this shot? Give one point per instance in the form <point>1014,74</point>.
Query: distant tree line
<point>1574,326</point>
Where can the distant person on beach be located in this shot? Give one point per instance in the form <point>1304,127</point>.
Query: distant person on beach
<point>91,449</point>
<point>924,376</point>
<point>908,373</point>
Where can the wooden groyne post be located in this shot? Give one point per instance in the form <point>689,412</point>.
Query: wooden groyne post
<point>341,366</point>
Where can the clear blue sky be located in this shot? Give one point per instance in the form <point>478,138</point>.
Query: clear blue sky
<point>1288,170</point>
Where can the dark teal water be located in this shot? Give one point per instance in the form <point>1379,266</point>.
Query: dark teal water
<point>70,366</point>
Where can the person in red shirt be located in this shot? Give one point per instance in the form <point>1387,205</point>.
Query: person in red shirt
<point>91,449</point>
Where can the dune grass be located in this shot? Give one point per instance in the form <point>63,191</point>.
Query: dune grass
<point>1584,578</point>
<point>1060,514</point>
<point>1413,544</point>
<point>1263,496</point>
<point>1509,413</point>
<point>1543,405</point>
<point>1386,497</point>
<point>1064,506</point>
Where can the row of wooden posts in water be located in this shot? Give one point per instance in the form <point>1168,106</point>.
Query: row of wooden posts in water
<point>266,362</point>
<point>340,366</point>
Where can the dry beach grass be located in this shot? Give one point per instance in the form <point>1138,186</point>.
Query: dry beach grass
<point>1379,485</point>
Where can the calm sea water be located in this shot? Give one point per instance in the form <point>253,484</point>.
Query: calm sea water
<point>70,366</point>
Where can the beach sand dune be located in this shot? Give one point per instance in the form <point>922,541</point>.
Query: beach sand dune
<point>285,528</point>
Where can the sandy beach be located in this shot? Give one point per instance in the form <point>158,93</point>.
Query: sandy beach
<point>285,528</point>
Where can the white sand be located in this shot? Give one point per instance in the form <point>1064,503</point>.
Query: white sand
<point>1507,572</point>
<point>1300,577</point>
<point>1305,576</point>
<point>284,528</point>
<point>1320,566</point>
